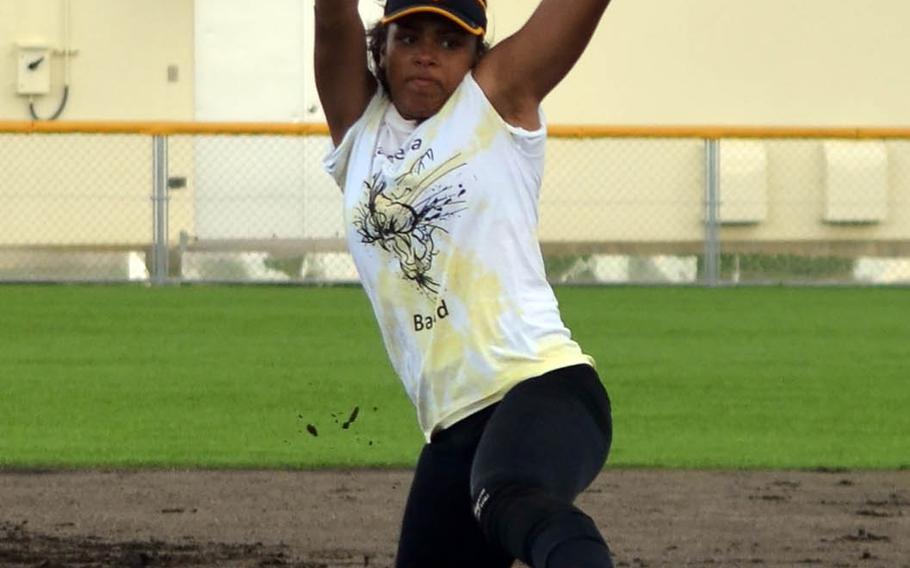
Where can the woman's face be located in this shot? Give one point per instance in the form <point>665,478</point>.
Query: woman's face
<point>425,59</point>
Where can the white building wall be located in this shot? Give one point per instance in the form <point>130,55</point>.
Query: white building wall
<point>254,64</point>
<point>776,62</point>
<point>123,51</point>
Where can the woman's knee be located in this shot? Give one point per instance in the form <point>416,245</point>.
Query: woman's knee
<point>529,522</point>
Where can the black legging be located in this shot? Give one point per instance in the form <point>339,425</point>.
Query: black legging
<point>518,466</point>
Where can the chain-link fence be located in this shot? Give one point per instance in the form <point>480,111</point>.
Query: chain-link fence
<point>205,203</point>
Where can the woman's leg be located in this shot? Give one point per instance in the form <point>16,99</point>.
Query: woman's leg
<point>439,529</point>
<point>545,443</point>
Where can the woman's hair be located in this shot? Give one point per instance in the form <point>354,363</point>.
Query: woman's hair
<point>376,40</point>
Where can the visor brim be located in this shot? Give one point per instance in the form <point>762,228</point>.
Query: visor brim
<point>467,26</point>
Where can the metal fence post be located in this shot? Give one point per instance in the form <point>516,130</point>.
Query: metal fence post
<point>712,193</point>
<point>159,263</point>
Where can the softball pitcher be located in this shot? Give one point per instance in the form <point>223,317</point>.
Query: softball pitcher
<point>438,147</point>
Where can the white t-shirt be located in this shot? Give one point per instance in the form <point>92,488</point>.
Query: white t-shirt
<point>441,220</point>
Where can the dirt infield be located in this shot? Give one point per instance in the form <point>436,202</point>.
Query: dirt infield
<point>350,518</point>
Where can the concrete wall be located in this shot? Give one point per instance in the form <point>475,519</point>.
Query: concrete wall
<point>811,62</point>
<point>120,70</point>
<point>653,191</point>
<point>90,190</point>
<point>777,62</point>
<point>774,62</point>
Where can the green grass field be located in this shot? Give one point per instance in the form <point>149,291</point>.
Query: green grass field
<point>114,376</point>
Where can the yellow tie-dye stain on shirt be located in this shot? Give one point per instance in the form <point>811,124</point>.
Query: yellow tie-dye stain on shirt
<point>399,299</point>
<point>556,349</point>
<point>489,126</point>
<point>460,347</point>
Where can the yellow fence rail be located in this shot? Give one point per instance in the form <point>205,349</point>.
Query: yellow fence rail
<point>152,128</point>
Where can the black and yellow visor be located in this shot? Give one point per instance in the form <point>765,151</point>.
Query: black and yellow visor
<point>469,14</point>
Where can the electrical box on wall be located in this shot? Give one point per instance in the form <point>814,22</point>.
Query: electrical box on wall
<point>34,70</point>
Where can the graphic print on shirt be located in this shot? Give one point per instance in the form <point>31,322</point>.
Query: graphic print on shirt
<point>402,215</point>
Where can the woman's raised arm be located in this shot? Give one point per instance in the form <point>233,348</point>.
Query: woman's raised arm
<point>343,78</point>
<point>521,70</point>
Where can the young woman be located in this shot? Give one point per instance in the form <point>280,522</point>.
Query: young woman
<point>439,152</point>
